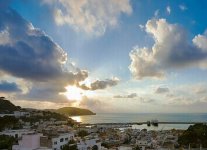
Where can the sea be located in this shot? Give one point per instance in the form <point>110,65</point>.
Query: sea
<point>143,117</point>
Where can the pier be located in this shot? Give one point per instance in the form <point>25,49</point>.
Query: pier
<point>141,123</point>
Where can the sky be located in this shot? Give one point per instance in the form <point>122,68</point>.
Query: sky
<point>129,56</point>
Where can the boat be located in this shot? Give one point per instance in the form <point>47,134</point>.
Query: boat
<point>154,122</point>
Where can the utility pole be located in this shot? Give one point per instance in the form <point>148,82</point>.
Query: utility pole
<point>200,146</point>
<point>189,146</point>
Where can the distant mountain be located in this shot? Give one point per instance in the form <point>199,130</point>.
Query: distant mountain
<point>7,107</point>
<point>73,111</point>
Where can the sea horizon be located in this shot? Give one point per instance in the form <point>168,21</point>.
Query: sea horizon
<point>143,117</point>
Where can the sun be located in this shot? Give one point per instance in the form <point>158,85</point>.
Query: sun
<point>73,93</point>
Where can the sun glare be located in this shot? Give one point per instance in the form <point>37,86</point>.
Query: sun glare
<point>73,93</point>
<point>77,118</point>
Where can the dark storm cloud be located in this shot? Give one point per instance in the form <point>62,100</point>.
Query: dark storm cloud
<point>8,87</point>
<point>27,52</point>
<point>98,84</point>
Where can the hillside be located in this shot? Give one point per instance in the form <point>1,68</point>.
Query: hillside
<point>7,107</point>
<point>73,111</point>
<point>195,135</point>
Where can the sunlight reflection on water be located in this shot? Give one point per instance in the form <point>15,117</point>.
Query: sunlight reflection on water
<point>119,118</point>
<point>77,118</point>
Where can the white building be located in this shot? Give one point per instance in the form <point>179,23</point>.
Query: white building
<point>30,142</point>
<point>61,140</point>
<point>85,144</point>
<point>125,148</point>
<point>17,133</point>
<point>2,115</point>
<point>18,114</point>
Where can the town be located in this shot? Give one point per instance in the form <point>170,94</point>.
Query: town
<point>30,129</point>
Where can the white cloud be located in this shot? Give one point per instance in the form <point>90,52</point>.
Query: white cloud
<point>201,42</point>
<point>168,9</point>
<point>183,7</point>
<point>132,95</point>
<point>162,90</point>
<point>141,27</point>
<point>156,13</point>
<point>4,37</point>
<point>94,104</point>
<point>171,50</point>
<point>90,16</point>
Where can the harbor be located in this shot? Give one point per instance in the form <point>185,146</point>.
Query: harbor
<point>148,123</point>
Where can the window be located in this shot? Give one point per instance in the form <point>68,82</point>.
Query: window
<point>66,139</point>
<point>61,140</point>
<point>55,143</point>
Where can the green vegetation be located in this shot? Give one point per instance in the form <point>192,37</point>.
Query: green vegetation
<point>6,142</point>
<point>8,122</point>
<point>6,106</point>
<point>46,116</point>
<point>194,135</point>
<point>136,148</point>
<point>106,145</point>
<point>70,146</point>
<point>82,133</point>
<point>73,111</point>
<point>95,147</point>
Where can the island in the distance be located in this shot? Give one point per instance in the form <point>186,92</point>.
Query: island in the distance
<point>72,111</point>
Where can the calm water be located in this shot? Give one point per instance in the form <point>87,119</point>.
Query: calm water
<point>121,118</point>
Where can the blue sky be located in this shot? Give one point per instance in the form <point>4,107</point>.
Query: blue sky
<point>127,55</point>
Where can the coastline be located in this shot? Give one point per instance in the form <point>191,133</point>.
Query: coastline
<point>167,121</point>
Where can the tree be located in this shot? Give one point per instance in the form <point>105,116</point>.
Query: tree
<point>136,147</point>
<point>82,133</point>
<point>95,147</point>
<point>8,122</point>
<point>6,142</point>
<point>194,135</point>
<point>70,146</point>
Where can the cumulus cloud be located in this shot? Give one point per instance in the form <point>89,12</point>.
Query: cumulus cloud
<point>171,50</point>
<point>27,52</point>
<point>99,84</point>
<point>29,55</point>
<point>9,87</point>
<point>161,90</point>
<point>132,95</point>
<point>90,16</point>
